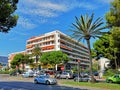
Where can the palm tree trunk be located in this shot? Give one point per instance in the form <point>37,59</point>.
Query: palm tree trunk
<point>23,67</point>
<point>37,62</point>
<point>91,70</point>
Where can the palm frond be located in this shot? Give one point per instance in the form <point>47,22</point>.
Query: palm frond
<point>89,23</point>
<point>85,28</point>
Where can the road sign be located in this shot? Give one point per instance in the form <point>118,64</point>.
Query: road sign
<point>62,68</point>
<point>78,60</point>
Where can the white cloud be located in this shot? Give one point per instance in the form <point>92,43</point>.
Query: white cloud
<point>34,10</point>
<point>25,23</point>
<point>51,8</point>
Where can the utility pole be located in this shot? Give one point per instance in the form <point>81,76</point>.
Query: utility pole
<point>78,69</point>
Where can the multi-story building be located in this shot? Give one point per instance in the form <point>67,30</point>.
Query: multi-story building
<point>56,40</point>
<point>11,56</point>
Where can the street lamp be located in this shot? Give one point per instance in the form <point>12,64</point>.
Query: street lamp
<point>78,69</point>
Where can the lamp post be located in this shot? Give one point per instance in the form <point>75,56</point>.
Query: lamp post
<point>78,69</point>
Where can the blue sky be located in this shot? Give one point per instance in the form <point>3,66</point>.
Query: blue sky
<point>37,17</point>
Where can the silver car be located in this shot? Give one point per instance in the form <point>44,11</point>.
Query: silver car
<point>65,75</point>
<point>82,79</point>
<point>45,79</point>
<point>27,74</point>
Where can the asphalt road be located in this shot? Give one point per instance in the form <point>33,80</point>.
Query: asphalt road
<point>13,83</point>
<point>18,83</point>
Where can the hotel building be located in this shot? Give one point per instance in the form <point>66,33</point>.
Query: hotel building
<point>55,41</point>
<point>11,56</point>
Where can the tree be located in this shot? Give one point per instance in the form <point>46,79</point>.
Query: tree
<point>37,53</point>
<point>7,19</point>
<point>86,28</point>
<point>115,33</point>
<point>105,46</point>
<point>25,59</point>
<point>16,61</point>
<point>53,58</point>
<point>113,16</point>
<point>0,65</point>
<point>20,59</point>
<point>113,20</point>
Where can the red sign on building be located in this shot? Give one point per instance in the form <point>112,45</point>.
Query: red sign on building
<point>78,61</point>
<point>62,68</point>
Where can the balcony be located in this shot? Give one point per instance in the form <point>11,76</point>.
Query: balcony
<point>82,48</point>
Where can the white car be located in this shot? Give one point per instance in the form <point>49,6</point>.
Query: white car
<point>45,79</point>
<point>65,75</point>
<point>28,74</point>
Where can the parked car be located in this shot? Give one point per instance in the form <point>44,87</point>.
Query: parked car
<point>28,74</point>
<point>82,79</point>
<point>114,79</point>
<point>65,75</point>
<point>51,72</point>
<point>83,74</point>
<point>13,73</point>
<point>45,79</point>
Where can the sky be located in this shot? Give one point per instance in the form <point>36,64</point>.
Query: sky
<point>37,17</point>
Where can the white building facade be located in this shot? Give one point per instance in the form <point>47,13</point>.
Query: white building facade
<point>103,65</point>
<point>56,40</point>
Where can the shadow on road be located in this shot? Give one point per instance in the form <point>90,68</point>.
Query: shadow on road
<point>15,85</point>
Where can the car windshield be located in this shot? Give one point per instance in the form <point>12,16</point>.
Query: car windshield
<point>47,76</point>
<point>44,76</point>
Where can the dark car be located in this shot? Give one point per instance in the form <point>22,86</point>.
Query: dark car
<point>82,79</point>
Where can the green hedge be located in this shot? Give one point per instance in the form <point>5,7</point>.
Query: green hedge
<point>4,72</point>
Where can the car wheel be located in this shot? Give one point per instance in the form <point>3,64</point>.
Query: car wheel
<point>47,82</point>
<point>110,81</point>
<point>35,81</point>
<point>66,77</point>
<point>75,80</point>
<point>88,80</point>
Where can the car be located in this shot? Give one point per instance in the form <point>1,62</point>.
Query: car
<point>28,74</point>
<point>65,75</point>
<point>82,79</point>
<point>50,72</point>
<point>13,73</point>
<point>114,79</point>
<point>45,79</point>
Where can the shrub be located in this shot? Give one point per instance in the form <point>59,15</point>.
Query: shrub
<point>4,72</point>
<point>110,72</point>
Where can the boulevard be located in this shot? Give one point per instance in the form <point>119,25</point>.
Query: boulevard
<point>12,83</point>
<point>19,83</point>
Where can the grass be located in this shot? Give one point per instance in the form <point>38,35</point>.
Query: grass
<point>103,86</point>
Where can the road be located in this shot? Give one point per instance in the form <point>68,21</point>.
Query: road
<point>13,83</point>
<point>17,83</point>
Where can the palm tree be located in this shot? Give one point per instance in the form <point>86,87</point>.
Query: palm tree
<point>25,59</point>
<point>37,53</point>
<point>85,28</point>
